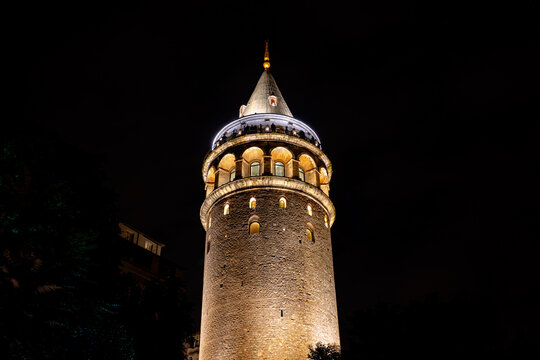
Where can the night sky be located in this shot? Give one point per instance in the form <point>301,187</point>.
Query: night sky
<point>427,110</point>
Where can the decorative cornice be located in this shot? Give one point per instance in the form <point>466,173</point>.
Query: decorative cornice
<point>266,137</point>
<point>267,182</point>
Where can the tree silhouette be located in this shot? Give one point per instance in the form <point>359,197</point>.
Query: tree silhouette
<point>57,255</point>
<point>324,352</point>
<point>61,293</point>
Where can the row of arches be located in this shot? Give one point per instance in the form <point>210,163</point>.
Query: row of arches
<point>279,162</point>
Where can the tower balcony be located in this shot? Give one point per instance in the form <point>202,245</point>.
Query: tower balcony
<point>270,151</point>
<point>263,124</point>
<point>310,191</point>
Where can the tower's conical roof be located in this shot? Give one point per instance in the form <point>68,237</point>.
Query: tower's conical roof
<point>266,98</point>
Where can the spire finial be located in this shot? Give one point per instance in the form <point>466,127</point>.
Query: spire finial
<point>266,63</point>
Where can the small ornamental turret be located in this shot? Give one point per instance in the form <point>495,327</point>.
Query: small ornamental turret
<point>268,288</point>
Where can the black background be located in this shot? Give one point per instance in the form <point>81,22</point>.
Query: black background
<point>428,111</point>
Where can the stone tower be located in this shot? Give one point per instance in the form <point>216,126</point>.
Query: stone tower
<point>268,276</point>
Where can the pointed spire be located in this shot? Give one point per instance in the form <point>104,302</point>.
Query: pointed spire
<point>266,63</point>
<point>266,98</point>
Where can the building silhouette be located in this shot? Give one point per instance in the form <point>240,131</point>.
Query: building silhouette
<point>141,257</point>
<point>269,289</point>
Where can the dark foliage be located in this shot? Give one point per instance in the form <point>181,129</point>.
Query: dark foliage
<point>61,293</point>
<point>324,352</point>
<point>159,317</point>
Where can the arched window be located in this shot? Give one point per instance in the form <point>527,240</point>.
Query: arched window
<point>281,157</point>
<point>232,175</point>
<point>254,228</point>
<point>325,220</point>
<point>252,203</point>
<point>210,222</point>
<point>309,210</point>
<point>309,235</point>
<point>255,168</point>
<point>301,174</point>
<point>226,209</point>
<point>279,169</point>
<point>282,202</point>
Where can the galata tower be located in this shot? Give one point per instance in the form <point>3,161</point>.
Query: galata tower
<point>268,288</point>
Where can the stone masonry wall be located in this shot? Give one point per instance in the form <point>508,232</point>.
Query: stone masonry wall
<point>267,295</point>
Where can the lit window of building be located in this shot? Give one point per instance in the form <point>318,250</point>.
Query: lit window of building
<point>254,228</point>
<point>255,168</point>
<point>326,221</point>
<point>226,209</point>
<point>282,202</point>
<point>309,235</point>
<point>301,174</point>
<point>309,210</point>
<point>252,203</point>
<point>279,169</point>
<point>232,175</point>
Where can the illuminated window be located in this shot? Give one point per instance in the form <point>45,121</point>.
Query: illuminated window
<point>309,235</point>
<point>255,168</point>
<point>326,221</point>
<point>254,228</point>
<point>282,202</point>
<point>148,245</point>
<point>252,203</point>
<point>273,100</point>
<point>301,174</point>
<point>232,175</point>
<point>309,210</point>
<point>226,209</point>
<point>279,169</point>
<point>210,222</point>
